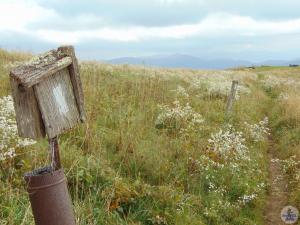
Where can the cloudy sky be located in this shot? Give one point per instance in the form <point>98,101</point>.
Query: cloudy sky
<point>254,30</point>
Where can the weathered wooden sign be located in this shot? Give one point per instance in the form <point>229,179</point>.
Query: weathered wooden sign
<point>47,94</point>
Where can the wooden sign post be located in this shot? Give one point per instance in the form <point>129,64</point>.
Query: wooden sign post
<point>231,97</point>
<point>48,101</point>
<point>47,94</point>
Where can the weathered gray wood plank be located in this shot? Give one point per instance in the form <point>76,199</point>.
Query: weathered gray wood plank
<point>75,78</point>
<point>57,103</point>
<point>40,71</point>
<point>28,116</point>
<point>41,60</point>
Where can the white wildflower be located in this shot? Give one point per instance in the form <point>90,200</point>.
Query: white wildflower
<point>178,117</point>
<point>272,81</point>
<point>259,131</point>
<point>283,96</point>
<point>227,142</point>
<point>181,92</point>
<point>9,140</point>
<point>216,86</point>
<point>247,198</point>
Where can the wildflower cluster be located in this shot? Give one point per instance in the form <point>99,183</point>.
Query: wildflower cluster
<point>8,130</point>
<point>228,142</point>
<point>259,131</point>
<point>291,167</point>
<point>158,220</point>
<point>217,86</point>
<point>181,92</point>
<point>224,179</point>
<point>283,96</point>
<point>247,198</point>
<point>272,81</point>
<point>178,118</point>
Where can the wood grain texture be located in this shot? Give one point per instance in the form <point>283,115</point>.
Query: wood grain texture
<point>57,103</point>
<point>28,116</point>
<point>20,72</point>
<point>41,73</point>
<point>40,70</point>
<point>75,78</point>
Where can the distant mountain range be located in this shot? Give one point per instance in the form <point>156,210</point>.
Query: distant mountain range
<point>192,62</point>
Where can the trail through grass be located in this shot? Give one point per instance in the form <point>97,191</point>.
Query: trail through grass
<point>278,191</point>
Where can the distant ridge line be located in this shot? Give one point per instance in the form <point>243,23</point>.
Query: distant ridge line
<point>193,62</point>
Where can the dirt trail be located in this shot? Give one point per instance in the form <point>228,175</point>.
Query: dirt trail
<point>278,194</point>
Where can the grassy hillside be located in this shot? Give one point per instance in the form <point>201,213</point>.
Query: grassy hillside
<point>157,147</point>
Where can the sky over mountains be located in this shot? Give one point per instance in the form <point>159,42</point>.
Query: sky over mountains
<point>229,29</point>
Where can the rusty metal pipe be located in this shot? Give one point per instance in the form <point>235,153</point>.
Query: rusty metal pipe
<point>49,197</point>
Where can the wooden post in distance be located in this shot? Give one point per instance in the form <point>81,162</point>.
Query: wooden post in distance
<point>231,97</point>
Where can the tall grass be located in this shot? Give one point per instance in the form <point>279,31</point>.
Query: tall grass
<point>285,116</point>
<point>124,168</point>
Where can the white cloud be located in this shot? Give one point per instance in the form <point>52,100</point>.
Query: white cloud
<point>216,25</point>
<point>20,15</point>
<point>15,15</point>
<point>73,37</point>
<point>227,24</point>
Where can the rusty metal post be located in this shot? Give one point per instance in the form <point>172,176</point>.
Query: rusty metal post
<point>49,197</point>
<point>48,192</point>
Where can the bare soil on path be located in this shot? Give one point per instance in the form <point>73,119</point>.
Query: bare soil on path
<point>277,194</point>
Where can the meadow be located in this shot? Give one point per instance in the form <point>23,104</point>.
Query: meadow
<point>158,149</point>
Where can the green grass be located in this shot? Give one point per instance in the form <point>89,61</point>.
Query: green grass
<point>121,169</point>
